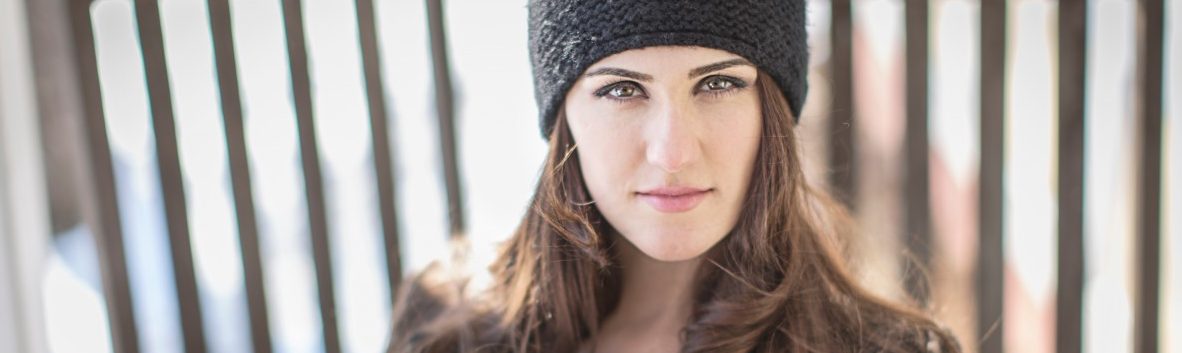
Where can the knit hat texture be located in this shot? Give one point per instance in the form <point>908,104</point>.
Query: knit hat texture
<point>568,36</point>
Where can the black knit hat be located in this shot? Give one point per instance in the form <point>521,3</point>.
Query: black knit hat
<point>567,36</point>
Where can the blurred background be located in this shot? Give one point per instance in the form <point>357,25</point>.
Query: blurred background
<point>252,175</point>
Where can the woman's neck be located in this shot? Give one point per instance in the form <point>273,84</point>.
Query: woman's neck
<point>654,290</point>
<point>655,303</point>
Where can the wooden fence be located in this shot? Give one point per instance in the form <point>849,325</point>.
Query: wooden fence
<point>69,21</point>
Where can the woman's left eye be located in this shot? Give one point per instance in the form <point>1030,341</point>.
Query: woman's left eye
<point>719,84</point>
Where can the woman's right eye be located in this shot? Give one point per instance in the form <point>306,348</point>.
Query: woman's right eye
<point>620,91</point>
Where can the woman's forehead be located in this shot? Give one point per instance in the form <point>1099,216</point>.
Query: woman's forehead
<point>661,60</point>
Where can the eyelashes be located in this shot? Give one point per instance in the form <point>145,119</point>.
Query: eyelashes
<point>719,84</point>
<point>712,86</point>
<point>622,90</point>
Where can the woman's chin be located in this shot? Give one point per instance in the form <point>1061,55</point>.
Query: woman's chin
<point>673,247</point>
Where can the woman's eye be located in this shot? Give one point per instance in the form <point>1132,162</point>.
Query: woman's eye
<point>718,84</point>
<point>621,90</point>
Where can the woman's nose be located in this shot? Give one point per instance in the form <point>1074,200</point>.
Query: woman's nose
<point>672,142</point>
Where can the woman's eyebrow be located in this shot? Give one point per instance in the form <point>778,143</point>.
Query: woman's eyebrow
<point>620,72</point>
<point>718,66</point>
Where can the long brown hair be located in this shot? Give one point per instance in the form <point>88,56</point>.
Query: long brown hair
<point>777,282</point>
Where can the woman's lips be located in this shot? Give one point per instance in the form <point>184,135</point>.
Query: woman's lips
<point>673,199</point>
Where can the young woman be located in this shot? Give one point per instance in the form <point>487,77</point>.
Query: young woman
<point>672,214</point>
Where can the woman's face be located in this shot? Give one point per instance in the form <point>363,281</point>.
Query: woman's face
<point>667,138</point>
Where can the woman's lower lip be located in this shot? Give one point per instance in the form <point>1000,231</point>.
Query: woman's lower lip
<point>674,204</point>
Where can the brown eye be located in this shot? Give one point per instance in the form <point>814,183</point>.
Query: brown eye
<point>623,91</point>
<point>717,84</point>
<point>720,85</point>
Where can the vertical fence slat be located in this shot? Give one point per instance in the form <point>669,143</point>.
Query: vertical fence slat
<point>990,258</point>
<point>26,209</point>
<point>445,109</point>
<point>293,21</point>
<point>97,178</point>
<point>171,181</point>
<point>1072,70</point>
<point>918,233</point>
<point>248,234</point>
<point>1148,261</point>
<point>842,172</point>
<point>382,161</point>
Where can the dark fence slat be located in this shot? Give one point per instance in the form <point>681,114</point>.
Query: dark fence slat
<point>379,130</point>
<point>918,234</point>
<point>989,274</point>
<point>1072,71</point>
<point>171,181</point>
<point>293,21</point>
<point>99,196</point>
<point>445,109</point>
<point>248,234</point>
<point>842,171</point>
<point>1148,261</point>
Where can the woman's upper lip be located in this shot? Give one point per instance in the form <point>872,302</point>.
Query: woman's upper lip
<point>673,191</point>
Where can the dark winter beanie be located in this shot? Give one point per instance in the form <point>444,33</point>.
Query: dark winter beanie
<point>567,36</point>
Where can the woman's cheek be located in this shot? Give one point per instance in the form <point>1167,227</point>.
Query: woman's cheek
<point>737,138</point>
<point>600,164</point>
